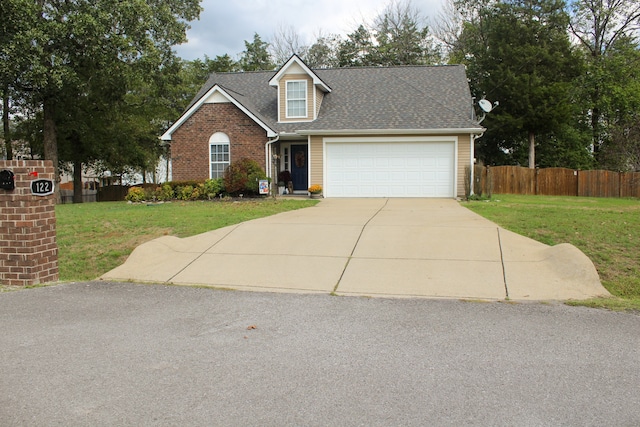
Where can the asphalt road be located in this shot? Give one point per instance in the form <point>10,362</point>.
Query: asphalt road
<point>123,354</point>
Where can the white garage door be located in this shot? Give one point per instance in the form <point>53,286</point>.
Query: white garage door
<point>390,169</point>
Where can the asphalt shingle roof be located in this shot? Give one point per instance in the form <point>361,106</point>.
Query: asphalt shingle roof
<point>367,98</point>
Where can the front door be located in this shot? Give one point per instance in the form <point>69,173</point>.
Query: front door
<point>300,167</point>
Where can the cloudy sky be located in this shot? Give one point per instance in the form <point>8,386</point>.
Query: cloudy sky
<point>224,25</point>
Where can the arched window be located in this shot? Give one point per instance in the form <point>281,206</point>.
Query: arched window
<point>219,157</point>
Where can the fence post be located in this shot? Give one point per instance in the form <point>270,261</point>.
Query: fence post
<point>619,184</point>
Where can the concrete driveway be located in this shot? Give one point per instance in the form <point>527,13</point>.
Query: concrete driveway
<point>371,247</point>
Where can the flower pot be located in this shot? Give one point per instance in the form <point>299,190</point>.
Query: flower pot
<point>315,195</point>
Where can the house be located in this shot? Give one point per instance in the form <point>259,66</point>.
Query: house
<point>359,132</point>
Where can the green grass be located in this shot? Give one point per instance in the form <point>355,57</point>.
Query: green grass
<point>607,230</point>
<point>94,238</point>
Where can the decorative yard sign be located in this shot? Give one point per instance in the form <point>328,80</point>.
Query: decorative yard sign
<point>42,187</point>
<point>264,186</point>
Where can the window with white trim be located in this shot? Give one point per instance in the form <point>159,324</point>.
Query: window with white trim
<point>219,156</point>
<point>296,98</point>
<point>286,158</point>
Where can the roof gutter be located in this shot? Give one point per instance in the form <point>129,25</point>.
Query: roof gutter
<point>447,131</point>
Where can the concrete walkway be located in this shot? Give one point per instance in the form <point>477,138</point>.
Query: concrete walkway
<point>371,247</point>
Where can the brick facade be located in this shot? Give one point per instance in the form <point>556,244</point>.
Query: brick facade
<point>190,142</point>
<point>28,248</point>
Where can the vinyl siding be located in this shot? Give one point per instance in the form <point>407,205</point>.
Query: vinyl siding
<point>316,151</point>
<point>283,97</point>
<point>464,160</point>
<point>319,98</point>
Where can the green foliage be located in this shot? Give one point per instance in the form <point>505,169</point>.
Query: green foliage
<point>96,68</point>
<point>256,56</point>
<point>398,36</point>
<point>177,190</point>
<point>524,60</point>
<point>323,53</point>
<point>242,176</point>
<point>357,50</point>
<point>136,195</point>
<point>607,34</point>
<point>212,188</point>
<point>402,38</point>
<point>184,192</point>
<point>164,193</point>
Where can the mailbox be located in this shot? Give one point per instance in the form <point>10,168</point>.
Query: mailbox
<point>7,180</point>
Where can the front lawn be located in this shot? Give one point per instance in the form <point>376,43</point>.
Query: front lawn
<point>607,230</point>
<point>94,238</point>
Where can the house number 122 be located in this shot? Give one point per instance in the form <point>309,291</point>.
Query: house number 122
<point>42,187</point>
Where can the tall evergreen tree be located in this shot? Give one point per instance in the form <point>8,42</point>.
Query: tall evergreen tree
<point>256,56</point>
<point>358,49</point>
<point>402,37</point>
<point>521,56</point>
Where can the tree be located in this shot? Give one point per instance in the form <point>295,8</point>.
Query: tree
<point>398,36</point>
<point>519,53</point>
<point>286,42</point>
<point>256,56</point>
<point>619,105</point>
<point>459,25</point>
<point>402,37</point>
<point>59,48</point>
<point>15,15</point>
<point>358,49</point>
<point>600,26</point>
<point>323,53</point>
<point>8,143</point>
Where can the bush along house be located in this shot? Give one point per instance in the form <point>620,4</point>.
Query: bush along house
<point>356,132</point>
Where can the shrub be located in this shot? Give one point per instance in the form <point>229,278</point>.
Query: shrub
<point>242,176</point>
<point>212,187</point>
<point>197,192</point>
<point>180,190</point>
<point>184,192</point>
<point>150,193</point>
<point>165,193</point>
<point>135,195</point>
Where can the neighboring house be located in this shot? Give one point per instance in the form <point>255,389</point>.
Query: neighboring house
<point>358,132</point>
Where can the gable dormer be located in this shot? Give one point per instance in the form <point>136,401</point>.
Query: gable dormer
<point>300,91</point>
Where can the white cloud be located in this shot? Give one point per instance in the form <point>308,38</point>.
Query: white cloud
<point>224,26</point>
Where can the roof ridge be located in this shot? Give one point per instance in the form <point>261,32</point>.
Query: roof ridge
<point>364,67</point>
<point>374,67</point>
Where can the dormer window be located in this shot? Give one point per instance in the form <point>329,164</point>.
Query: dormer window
<point>296,98</point>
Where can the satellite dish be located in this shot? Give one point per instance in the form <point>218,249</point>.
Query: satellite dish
<point>485,105</point>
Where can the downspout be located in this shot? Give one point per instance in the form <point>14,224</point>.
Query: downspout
<point>474,136</point>
<point>267,153</point>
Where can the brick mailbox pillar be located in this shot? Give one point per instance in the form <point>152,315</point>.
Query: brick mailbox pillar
<point>28,248</point>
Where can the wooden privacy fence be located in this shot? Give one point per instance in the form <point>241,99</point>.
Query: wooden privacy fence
<point>555,182</point>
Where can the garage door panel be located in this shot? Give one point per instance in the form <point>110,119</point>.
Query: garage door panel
<point>390,169</point>
<point>414,176</point>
